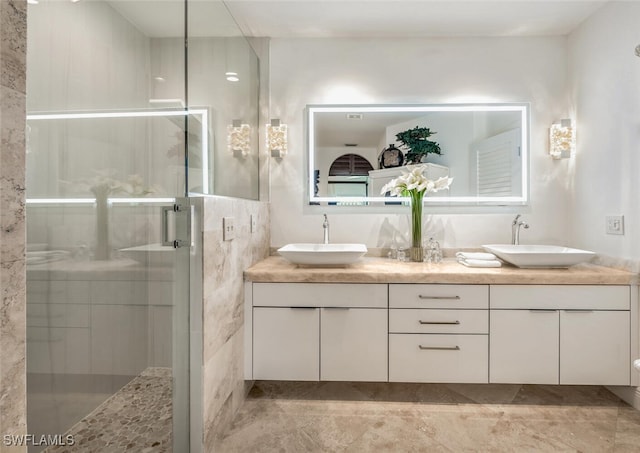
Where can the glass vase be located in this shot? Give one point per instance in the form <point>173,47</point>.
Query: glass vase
<point>103,249</point>
<point>417,251</point>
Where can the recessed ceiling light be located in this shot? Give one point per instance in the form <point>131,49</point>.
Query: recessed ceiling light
<point>32,2</point>
<point>159,79</point>
<point>232,76</point>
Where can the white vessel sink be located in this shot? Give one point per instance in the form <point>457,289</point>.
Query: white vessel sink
<point>539,256</point>
<point>323,254</point>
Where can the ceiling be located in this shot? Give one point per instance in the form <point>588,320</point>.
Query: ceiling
<point>358,18</point>
<point>409,18</point>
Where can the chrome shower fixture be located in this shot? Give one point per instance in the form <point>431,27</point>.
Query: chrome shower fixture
<point>638,50</point>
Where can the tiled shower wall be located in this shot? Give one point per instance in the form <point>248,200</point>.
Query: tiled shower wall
<point>13,28</point>
<point>223,305</point>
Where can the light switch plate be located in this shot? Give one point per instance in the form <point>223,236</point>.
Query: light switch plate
<point>228,231</point>
<point>615,224</point>
<point>254,223</point>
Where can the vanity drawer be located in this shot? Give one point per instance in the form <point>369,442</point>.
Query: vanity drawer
<point>320,295</point>
<point>413,320</point>
<point>561,297</point>
<point>438,296</point>
<point>438,358</point>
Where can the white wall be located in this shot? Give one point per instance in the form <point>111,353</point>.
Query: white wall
<point>604,80</point>
<point>342,71</point>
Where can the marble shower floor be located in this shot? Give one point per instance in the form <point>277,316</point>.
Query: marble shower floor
<point>369,417</point>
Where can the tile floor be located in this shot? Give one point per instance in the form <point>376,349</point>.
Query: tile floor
<point>369,417</point>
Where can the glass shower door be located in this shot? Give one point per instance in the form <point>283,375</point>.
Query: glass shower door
<point>108,305</point>
<point>108,293</point>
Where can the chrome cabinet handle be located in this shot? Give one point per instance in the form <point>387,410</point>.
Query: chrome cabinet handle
<point>421,296</point>
<point>439,348</point>
<point>439,322</point>
<point>303,308</point>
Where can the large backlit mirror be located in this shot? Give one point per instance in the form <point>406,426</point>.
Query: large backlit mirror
<point>353,150</point>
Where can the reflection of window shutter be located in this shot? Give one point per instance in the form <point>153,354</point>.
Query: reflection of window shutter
<point>494,172</point>
<point>350,165</point>
<point>498,165</point>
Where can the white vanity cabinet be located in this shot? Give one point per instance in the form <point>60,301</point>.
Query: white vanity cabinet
<point>319,331</point>
<point>286,343</point>
<point>594,347</point>
<point>560,334</point>
<point>525,346</point>
<point>438,333</point>
<point>489,326</point>
<point>353,344</point>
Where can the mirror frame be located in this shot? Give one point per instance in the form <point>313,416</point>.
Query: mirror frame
<point>523,108</point>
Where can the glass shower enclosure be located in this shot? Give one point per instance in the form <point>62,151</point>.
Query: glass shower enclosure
<point>113,152</point>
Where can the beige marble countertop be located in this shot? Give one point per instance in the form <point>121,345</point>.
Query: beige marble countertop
<point>384,270</point>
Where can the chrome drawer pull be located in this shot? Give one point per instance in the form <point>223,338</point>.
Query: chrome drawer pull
<point>439,297</point>
<point>439,322</point>
<point>439,348</point>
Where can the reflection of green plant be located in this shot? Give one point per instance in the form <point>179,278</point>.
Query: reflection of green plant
<point>416,141</point>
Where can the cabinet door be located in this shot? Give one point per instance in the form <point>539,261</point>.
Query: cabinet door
<point>595,347</point>
<point>286,343</point>
<point>353,344</point>
<point>524,346</point>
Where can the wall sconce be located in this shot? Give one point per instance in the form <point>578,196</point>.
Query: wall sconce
<point>239,138</point>
<point>562,139</point>
<point>277,139</point>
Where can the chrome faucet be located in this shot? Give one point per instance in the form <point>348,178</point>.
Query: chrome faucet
<point>325,225</point>
<point>515,229</point>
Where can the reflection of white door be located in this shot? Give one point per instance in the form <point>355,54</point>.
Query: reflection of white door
<point>496,165</point>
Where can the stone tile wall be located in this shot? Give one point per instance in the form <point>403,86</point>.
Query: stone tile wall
<point>13,27</point>
<point>223,306</point>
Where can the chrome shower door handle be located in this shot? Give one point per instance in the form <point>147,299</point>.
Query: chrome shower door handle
<point>173,235</point>
<point>164,221</point>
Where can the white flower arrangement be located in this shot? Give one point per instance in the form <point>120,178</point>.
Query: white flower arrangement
<point>415,183</point>
<point>105,183</point>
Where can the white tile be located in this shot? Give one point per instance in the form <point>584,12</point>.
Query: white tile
<point>78,292</point>
<point>123,292</point>
<point>160,293</point>
<point>77,351</point>
<point>57,315</point>
<point>118,339</point>
<point>160,336</point>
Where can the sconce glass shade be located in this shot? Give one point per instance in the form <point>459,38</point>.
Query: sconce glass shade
<point>277,139</point>
<point>562,139</point>
<point>239,138</point>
